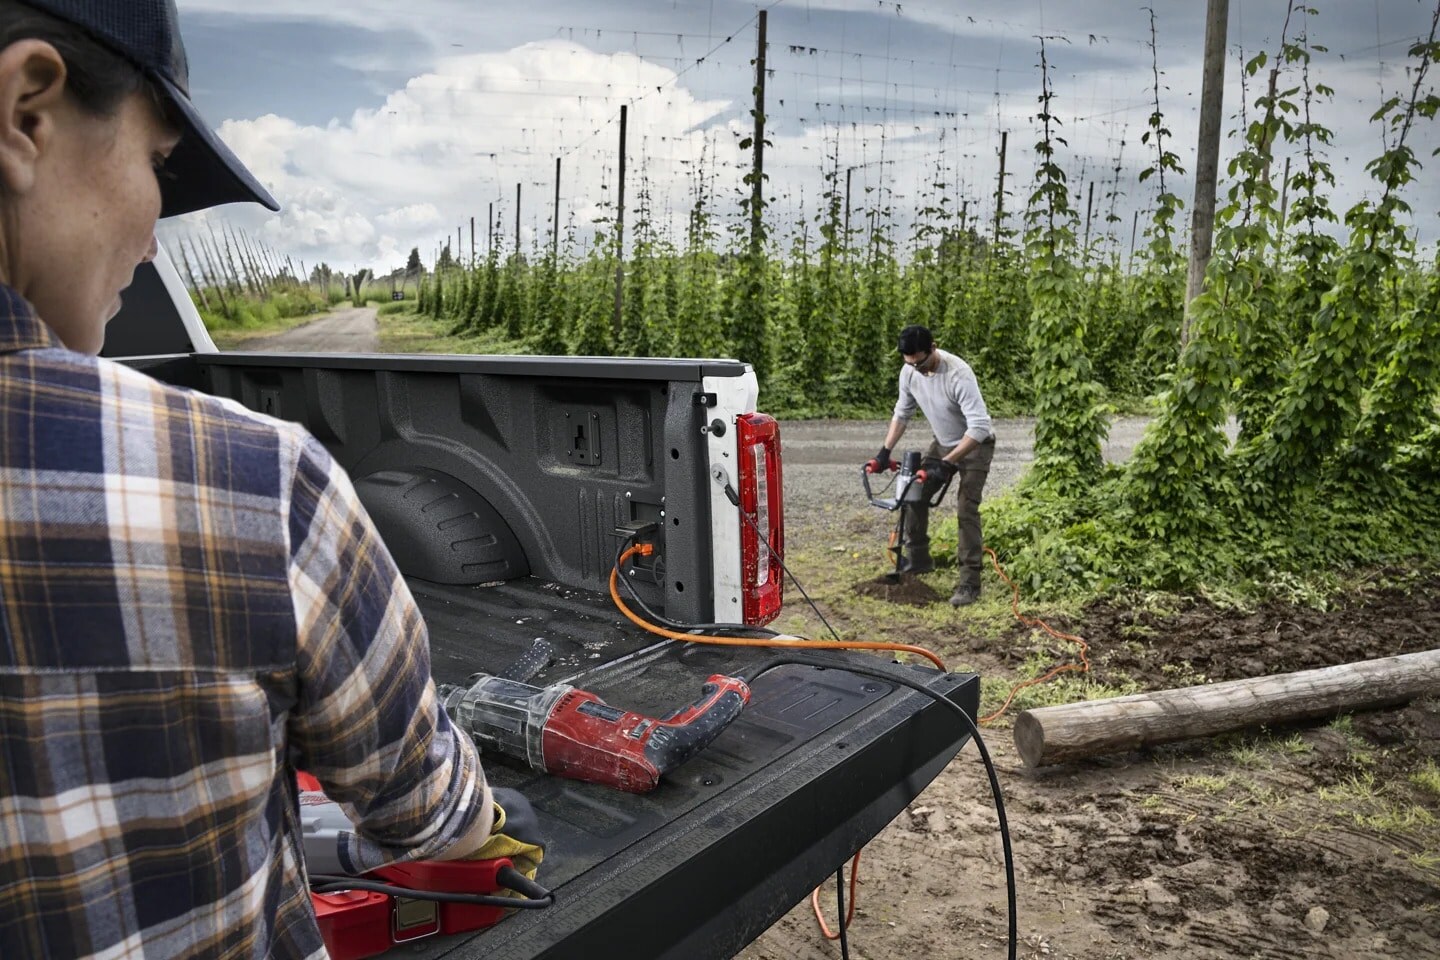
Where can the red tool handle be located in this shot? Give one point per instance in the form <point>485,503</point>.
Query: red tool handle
<point>587,739</point>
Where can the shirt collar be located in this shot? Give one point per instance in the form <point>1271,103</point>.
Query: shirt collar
<point>20,326</point>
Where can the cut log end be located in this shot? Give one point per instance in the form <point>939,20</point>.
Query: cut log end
<point>1029,739</point>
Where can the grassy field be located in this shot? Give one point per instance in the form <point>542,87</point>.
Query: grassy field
<point>229,337</point>
<point>402,331</point>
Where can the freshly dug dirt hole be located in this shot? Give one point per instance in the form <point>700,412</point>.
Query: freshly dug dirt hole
<point>911,591</point>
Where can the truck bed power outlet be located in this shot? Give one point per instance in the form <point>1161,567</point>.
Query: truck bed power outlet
<point>584,434</point>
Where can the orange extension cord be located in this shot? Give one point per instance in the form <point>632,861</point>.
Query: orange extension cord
<point>1032,622</point>
<point>646,549</point>
<point>825,930</point>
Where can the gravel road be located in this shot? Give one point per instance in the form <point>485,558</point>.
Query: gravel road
<point>823,457</point>
<point>343,331</point>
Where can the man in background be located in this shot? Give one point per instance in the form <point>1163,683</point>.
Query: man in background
<point>944,387</point>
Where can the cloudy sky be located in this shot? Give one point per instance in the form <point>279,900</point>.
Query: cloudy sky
<point>382,126</point>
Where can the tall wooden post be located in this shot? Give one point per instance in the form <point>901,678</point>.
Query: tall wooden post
<point>1207,154</point>
<point>848,172</point>
<point>490,228</point>
<point>1000,187</point>
<point>472,241</point>
<point>271,263</point>
<point>1134,226</point>
<point>757,188</point>
<point>1089,209</point>
<point>517,219</point>
<point>194,284</point>
<point>1284,195</point>
<point>209,268</point>
<point>555,231</point>
<point>620,225</point>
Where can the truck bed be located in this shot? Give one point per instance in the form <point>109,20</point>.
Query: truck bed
<point>813,768</point>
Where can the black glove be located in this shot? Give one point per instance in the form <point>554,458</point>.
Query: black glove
<point>881,462</point>
<point>941,469</point>
<point>515,833</point>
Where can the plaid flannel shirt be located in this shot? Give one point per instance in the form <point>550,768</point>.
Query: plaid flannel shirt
<point>193,604</point>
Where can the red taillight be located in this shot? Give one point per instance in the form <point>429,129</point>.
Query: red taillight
<point>762,500</point>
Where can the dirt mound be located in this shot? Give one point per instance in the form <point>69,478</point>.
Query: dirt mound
<point>1203,642</point>
<point>910,590</point>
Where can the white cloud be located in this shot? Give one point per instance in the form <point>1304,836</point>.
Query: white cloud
<point>414,215</point>
<point>449,143</point>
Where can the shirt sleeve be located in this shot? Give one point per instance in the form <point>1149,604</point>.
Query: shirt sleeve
<point>905,405</point>
<point>368,723</point>
<point>966,394</point>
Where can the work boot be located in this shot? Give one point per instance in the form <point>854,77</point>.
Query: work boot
<point>964,595</point>
<point>917,561</point>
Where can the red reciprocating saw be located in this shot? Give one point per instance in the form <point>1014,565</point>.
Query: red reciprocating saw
<point>571,733</point>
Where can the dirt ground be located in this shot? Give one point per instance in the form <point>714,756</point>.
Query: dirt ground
<point>1318,841</point>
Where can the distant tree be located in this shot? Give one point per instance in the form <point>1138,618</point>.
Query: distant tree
<point>413,265</point>
<point>358,286</point>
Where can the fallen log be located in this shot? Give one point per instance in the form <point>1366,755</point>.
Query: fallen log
<point>1056,734</point>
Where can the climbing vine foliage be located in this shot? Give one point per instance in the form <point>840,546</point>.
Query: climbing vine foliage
<point>1297,431</point>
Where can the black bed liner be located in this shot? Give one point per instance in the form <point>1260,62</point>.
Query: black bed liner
<point>815,766</point>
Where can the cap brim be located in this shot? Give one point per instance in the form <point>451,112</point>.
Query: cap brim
<point>202,172</point>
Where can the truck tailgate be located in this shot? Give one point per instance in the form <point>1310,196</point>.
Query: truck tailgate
<point>817,764</point>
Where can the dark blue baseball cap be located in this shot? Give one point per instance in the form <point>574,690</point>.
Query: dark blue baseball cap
<point>202,170</point>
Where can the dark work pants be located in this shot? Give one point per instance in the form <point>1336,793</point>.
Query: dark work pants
<point>968,485</point>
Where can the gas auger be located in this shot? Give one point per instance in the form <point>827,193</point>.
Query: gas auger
<point>909,489</point>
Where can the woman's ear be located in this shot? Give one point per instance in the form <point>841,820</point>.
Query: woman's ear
<point>32,91</point>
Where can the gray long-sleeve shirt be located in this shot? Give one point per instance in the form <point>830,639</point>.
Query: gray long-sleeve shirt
<point>950,398</point>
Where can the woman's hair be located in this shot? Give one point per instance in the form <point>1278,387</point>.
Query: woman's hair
<point>98,78</point>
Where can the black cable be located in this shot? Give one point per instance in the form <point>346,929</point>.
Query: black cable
<point>333,883</point>
<point>735,499</point>
<point>840,900</point>
<point>837,664</point>
<point>675,624</point>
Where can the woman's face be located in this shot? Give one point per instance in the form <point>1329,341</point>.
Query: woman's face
<point>88,219</point>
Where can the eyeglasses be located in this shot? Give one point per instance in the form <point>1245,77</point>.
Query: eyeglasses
<point>917,364</point>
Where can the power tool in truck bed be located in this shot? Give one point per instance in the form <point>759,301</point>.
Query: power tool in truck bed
<point>504,487</point>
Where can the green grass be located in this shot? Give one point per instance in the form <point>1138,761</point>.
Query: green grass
<point>1427,778</point>
<point>234,336</point>
<point>1295,746</point>
<point>395,307</point>
<point>402,331</point>
<point>1358,788</point>
<point>1203,783</point>
<point>1245,753</point>
<point>1344,724</point>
